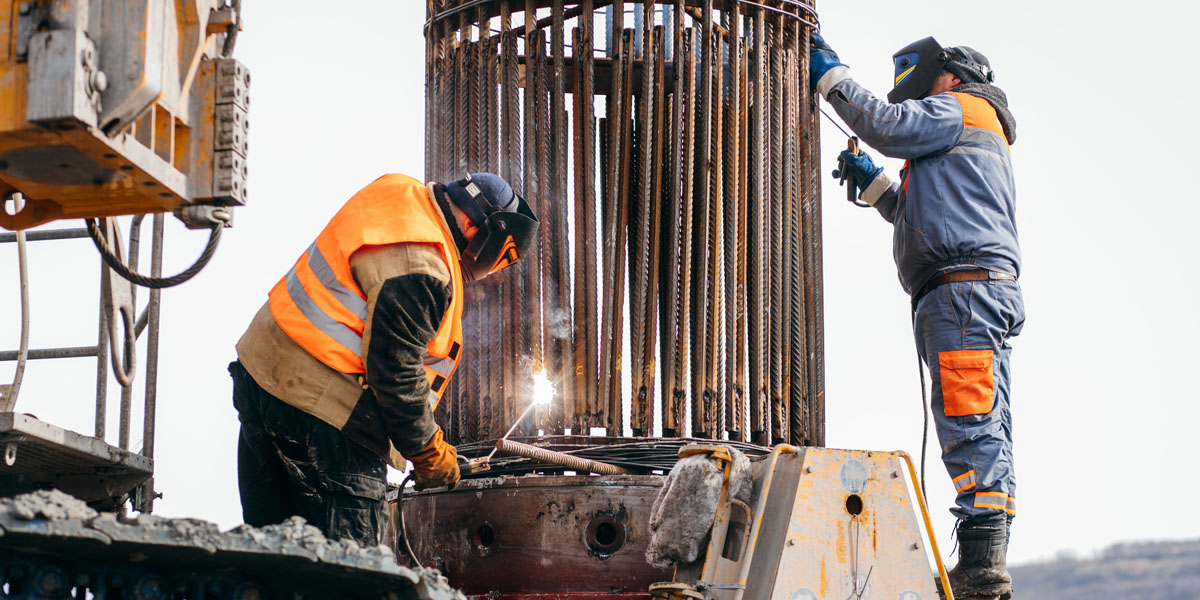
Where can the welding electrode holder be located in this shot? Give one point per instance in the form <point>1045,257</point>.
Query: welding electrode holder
<point>472,466</point>
<point>845,178</point>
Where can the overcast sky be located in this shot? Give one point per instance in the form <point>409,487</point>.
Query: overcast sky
<point>1104,406</point>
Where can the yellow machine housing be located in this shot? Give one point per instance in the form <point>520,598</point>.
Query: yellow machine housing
<point>822,524</point>
<point>120,107</point>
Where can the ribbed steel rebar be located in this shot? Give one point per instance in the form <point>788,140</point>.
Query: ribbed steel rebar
<point>731,203</point>
<point>758,256</point>
<point>776,204</point>
<point>643,397</point>
<point>674,336</point>
<point>705,219</point>
<point>649,342</point>
<point>559,458</point>
<point>586,363</point>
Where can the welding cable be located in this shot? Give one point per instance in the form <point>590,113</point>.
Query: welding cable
<point>9,399</point>
<point>400,510</point>
<point>924,411</point>
<point>154,283</point>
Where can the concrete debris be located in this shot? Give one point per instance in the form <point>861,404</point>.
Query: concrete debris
<point>295,530</point>
<point>686,506</point>
<point>151,529</point>
<point>434,585</point>
<point>52,505</point>
<point>291,538</point>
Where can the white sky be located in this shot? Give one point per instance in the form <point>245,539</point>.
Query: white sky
<point>1104,408</point>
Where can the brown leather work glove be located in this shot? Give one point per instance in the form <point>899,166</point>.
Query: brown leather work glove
<point>436,464</point>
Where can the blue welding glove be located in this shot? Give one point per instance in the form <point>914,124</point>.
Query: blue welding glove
<point>821,58</point>
<point>858,167</point>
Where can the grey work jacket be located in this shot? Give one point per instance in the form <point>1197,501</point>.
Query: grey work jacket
<point>955,203</point>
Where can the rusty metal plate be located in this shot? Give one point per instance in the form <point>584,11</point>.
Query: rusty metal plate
<point>538,534</point>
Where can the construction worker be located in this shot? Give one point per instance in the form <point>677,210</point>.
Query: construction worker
<point>955,246</point>
<point>339,372</point>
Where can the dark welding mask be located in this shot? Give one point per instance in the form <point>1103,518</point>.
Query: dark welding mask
<point>917,67</point>
<point>505,224</point>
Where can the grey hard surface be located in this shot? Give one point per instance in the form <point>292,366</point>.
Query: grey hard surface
<point>685,508</point>
<point>52,523</point>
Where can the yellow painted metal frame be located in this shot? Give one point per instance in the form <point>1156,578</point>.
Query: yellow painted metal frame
<point>156,165</point>
<point>933,546</point>
<point>808,513</point>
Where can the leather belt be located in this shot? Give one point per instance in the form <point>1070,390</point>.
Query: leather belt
<point>959,276</point>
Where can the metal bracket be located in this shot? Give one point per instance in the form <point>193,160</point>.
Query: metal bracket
<point>203,216</point>
<point>31,17</point>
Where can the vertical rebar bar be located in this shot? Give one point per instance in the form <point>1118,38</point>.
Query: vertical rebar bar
<point>640,232</point>
<point>586,364</point>
<point>759,257</point>
<point>777,204</point>
<point>673,336</point>
<point>559,317</point>
<point>687,360</point>
<point>702,418</point>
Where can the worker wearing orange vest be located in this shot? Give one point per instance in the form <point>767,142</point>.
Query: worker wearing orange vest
<point>339,372</point>
<point>953,213</point>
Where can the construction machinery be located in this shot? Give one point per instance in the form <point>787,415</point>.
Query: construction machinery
<point>133,107</point>
<point>674,301</point>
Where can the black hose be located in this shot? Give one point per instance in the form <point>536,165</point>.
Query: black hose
<point>400,510</point>
<point>231,33</point>
<point>154,283</point>
<point>924,426</point>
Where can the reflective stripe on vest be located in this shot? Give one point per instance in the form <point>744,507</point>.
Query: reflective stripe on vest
<point>439,370</point>
<point>982,134</point>
<point>320,306</point>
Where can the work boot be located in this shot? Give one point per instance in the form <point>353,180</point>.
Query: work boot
<point>981,572</point>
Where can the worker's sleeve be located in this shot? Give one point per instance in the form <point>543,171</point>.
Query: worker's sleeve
<point>908,130</point>
<point>408,291</point>
<point>884,195</point>
<point>408,311</point>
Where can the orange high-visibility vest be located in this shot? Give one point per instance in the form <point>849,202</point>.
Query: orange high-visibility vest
<point>320,306</point>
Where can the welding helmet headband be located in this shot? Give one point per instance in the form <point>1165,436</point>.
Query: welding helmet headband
<point>917,67</point>
<point>506,226</point>
<point>969,65</point>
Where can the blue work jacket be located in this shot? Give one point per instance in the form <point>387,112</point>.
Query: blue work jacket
<point>955,203</point>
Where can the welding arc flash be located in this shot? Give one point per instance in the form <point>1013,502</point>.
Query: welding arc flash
<point>543,389</point>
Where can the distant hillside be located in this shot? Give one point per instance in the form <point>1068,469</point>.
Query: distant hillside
<point>1140,570</point>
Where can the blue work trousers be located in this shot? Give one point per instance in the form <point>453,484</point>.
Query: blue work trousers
<point>962,331</point>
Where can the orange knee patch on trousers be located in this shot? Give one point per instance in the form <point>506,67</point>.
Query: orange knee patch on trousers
<point>967,382</point>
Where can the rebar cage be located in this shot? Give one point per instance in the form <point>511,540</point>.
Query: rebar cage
<point>670,151</point>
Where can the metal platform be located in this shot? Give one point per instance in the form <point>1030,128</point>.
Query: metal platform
<point>38,455</point>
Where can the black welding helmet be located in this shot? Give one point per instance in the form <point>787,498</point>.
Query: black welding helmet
<point>506,225</point>
<point>917,67</point>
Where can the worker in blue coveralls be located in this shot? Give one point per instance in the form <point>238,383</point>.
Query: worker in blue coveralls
<point>955,245</point>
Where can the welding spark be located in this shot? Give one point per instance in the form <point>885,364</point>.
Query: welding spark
<point>543,389</point>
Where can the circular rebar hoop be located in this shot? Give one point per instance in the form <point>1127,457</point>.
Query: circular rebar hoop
<point>670,152</point>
